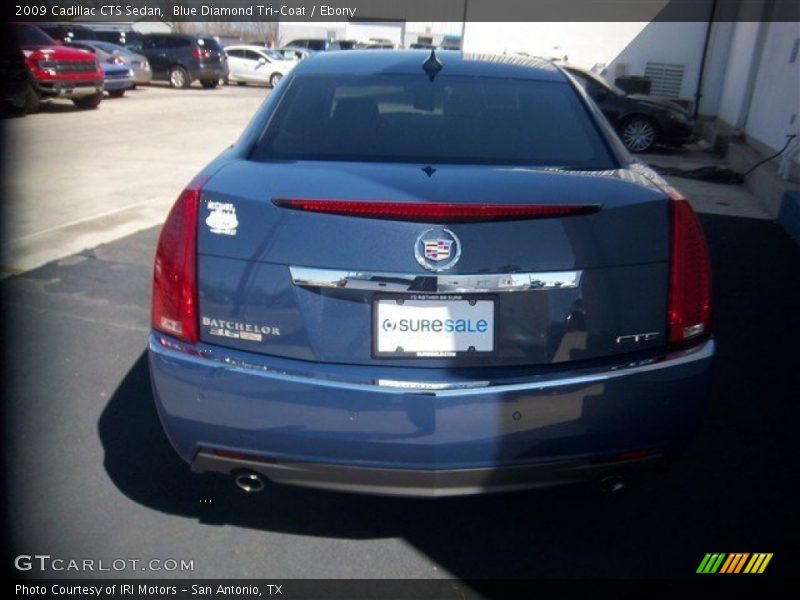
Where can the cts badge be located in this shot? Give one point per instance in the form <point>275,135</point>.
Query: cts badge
<point>437,249</point>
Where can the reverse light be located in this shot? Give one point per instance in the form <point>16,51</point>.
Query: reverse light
<point>437,212</point>
<point>689,305</point>
<point>174,304</point>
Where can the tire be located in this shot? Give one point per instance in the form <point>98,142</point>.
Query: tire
<point>179,78</point>
<point>209,84</point>
<point>639,133</point>
<point>88,102</point>
<point>275,79</point>
<point>33,101</point>
<point>116,93</point>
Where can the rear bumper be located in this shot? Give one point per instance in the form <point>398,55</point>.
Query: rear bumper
<point>423,432</point>
<point>122,83</point>
<point>211,72</point>
<point>424,483</point>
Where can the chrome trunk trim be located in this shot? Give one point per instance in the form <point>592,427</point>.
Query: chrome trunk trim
<point>406,283</point>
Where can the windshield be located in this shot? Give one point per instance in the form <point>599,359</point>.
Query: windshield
<point>274,55</point>
<point>459,120</point>
<point>584,76</point>
<point>28,35</point>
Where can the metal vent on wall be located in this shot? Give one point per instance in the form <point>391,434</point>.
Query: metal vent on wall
<point>666,78</point>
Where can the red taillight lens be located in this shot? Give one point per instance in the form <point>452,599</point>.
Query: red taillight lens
<point>437,212</point>
<point>689,308</point>
<point>200,53</point>
<point>174,308</point>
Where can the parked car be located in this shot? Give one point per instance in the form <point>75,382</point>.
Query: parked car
<point>343,45</point>
<point>117,77</point>
<point>57,71</point>
<point>181,58</point>
<point>294,53</point>
<point>426,276</point>
<point>136,62</point>
<point>641,120</point>
<point>255,64</point>
<point>312,44</point>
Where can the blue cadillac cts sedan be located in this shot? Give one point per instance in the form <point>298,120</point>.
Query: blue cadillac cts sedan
<point>429,275</point>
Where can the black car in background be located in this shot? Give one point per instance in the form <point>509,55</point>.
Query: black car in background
<point>313,44</point>
<point>181,58</point>
<point>640,120</point>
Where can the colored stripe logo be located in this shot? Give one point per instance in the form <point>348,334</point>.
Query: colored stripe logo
<point>736,562</point>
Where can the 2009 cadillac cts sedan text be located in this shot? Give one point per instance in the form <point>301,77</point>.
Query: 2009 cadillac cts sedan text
<point>429,275</point>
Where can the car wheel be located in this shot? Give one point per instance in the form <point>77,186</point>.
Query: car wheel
<point>89,102</point>
<point>209,83</point>
<point>639,134</point>
<point>179,78</point>
<point>33,102</point>
<point>116,93</point>
<point>275,79</point>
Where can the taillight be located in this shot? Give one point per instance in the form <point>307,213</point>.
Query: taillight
<point>201,53</point>
<point>437,212</point>
<point>174,307</point>
<point>689,307</point>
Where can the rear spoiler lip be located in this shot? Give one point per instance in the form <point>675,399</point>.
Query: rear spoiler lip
<point>434,211</point>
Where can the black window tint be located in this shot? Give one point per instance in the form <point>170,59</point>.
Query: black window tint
<point>316,44</point>
<point>234,53</point>
<point>209,43</point>
<point>177,42</point>
<point>152,43</point>
<point>250,55</point>
<point>451,120</point>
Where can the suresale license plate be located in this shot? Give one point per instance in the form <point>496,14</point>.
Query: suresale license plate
<point>433,326</point>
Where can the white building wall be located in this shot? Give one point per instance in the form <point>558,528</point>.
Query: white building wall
<point>288,31</point>
<point>737,72</point>
<point>356,30</point>
<point>775,106</point>
<point>664,42</point>
<point>585,44</point>
<point>719,46</point>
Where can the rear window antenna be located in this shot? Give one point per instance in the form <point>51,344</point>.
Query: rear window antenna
<point>432,65</point>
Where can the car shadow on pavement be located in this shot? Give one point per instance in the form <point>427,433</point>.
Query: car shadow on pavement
<point>733,491</point>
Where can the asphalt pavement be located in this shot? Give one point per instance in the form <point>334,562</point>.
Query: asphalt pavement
<point>91,474</point>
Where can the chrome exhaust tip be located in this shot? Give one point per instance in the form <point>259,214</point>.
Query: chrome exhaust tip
<point>249,482</point>
<point>612,483</point>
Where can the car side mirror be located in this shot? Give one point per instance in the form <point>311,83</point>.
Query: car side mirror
<point>262,61</point>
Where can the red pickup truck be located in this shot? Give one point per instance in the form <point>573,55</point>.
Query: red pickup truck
<point>56,71</point>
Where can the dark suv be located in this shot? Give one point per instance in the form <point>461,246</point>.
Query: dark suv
<point>182,58</point>
<point>313,44</point>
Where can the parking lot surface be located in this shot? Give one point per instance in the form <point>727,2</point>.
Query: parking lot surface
<point>92,476</point>
<point>75,179</point>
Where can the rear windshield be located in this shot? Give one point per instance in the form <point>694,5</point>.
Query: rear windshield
<point>454,119</point>
<point>209,43</point>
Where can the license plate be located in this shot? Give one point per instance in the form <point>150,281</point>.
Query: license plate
<point>433,326</point>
